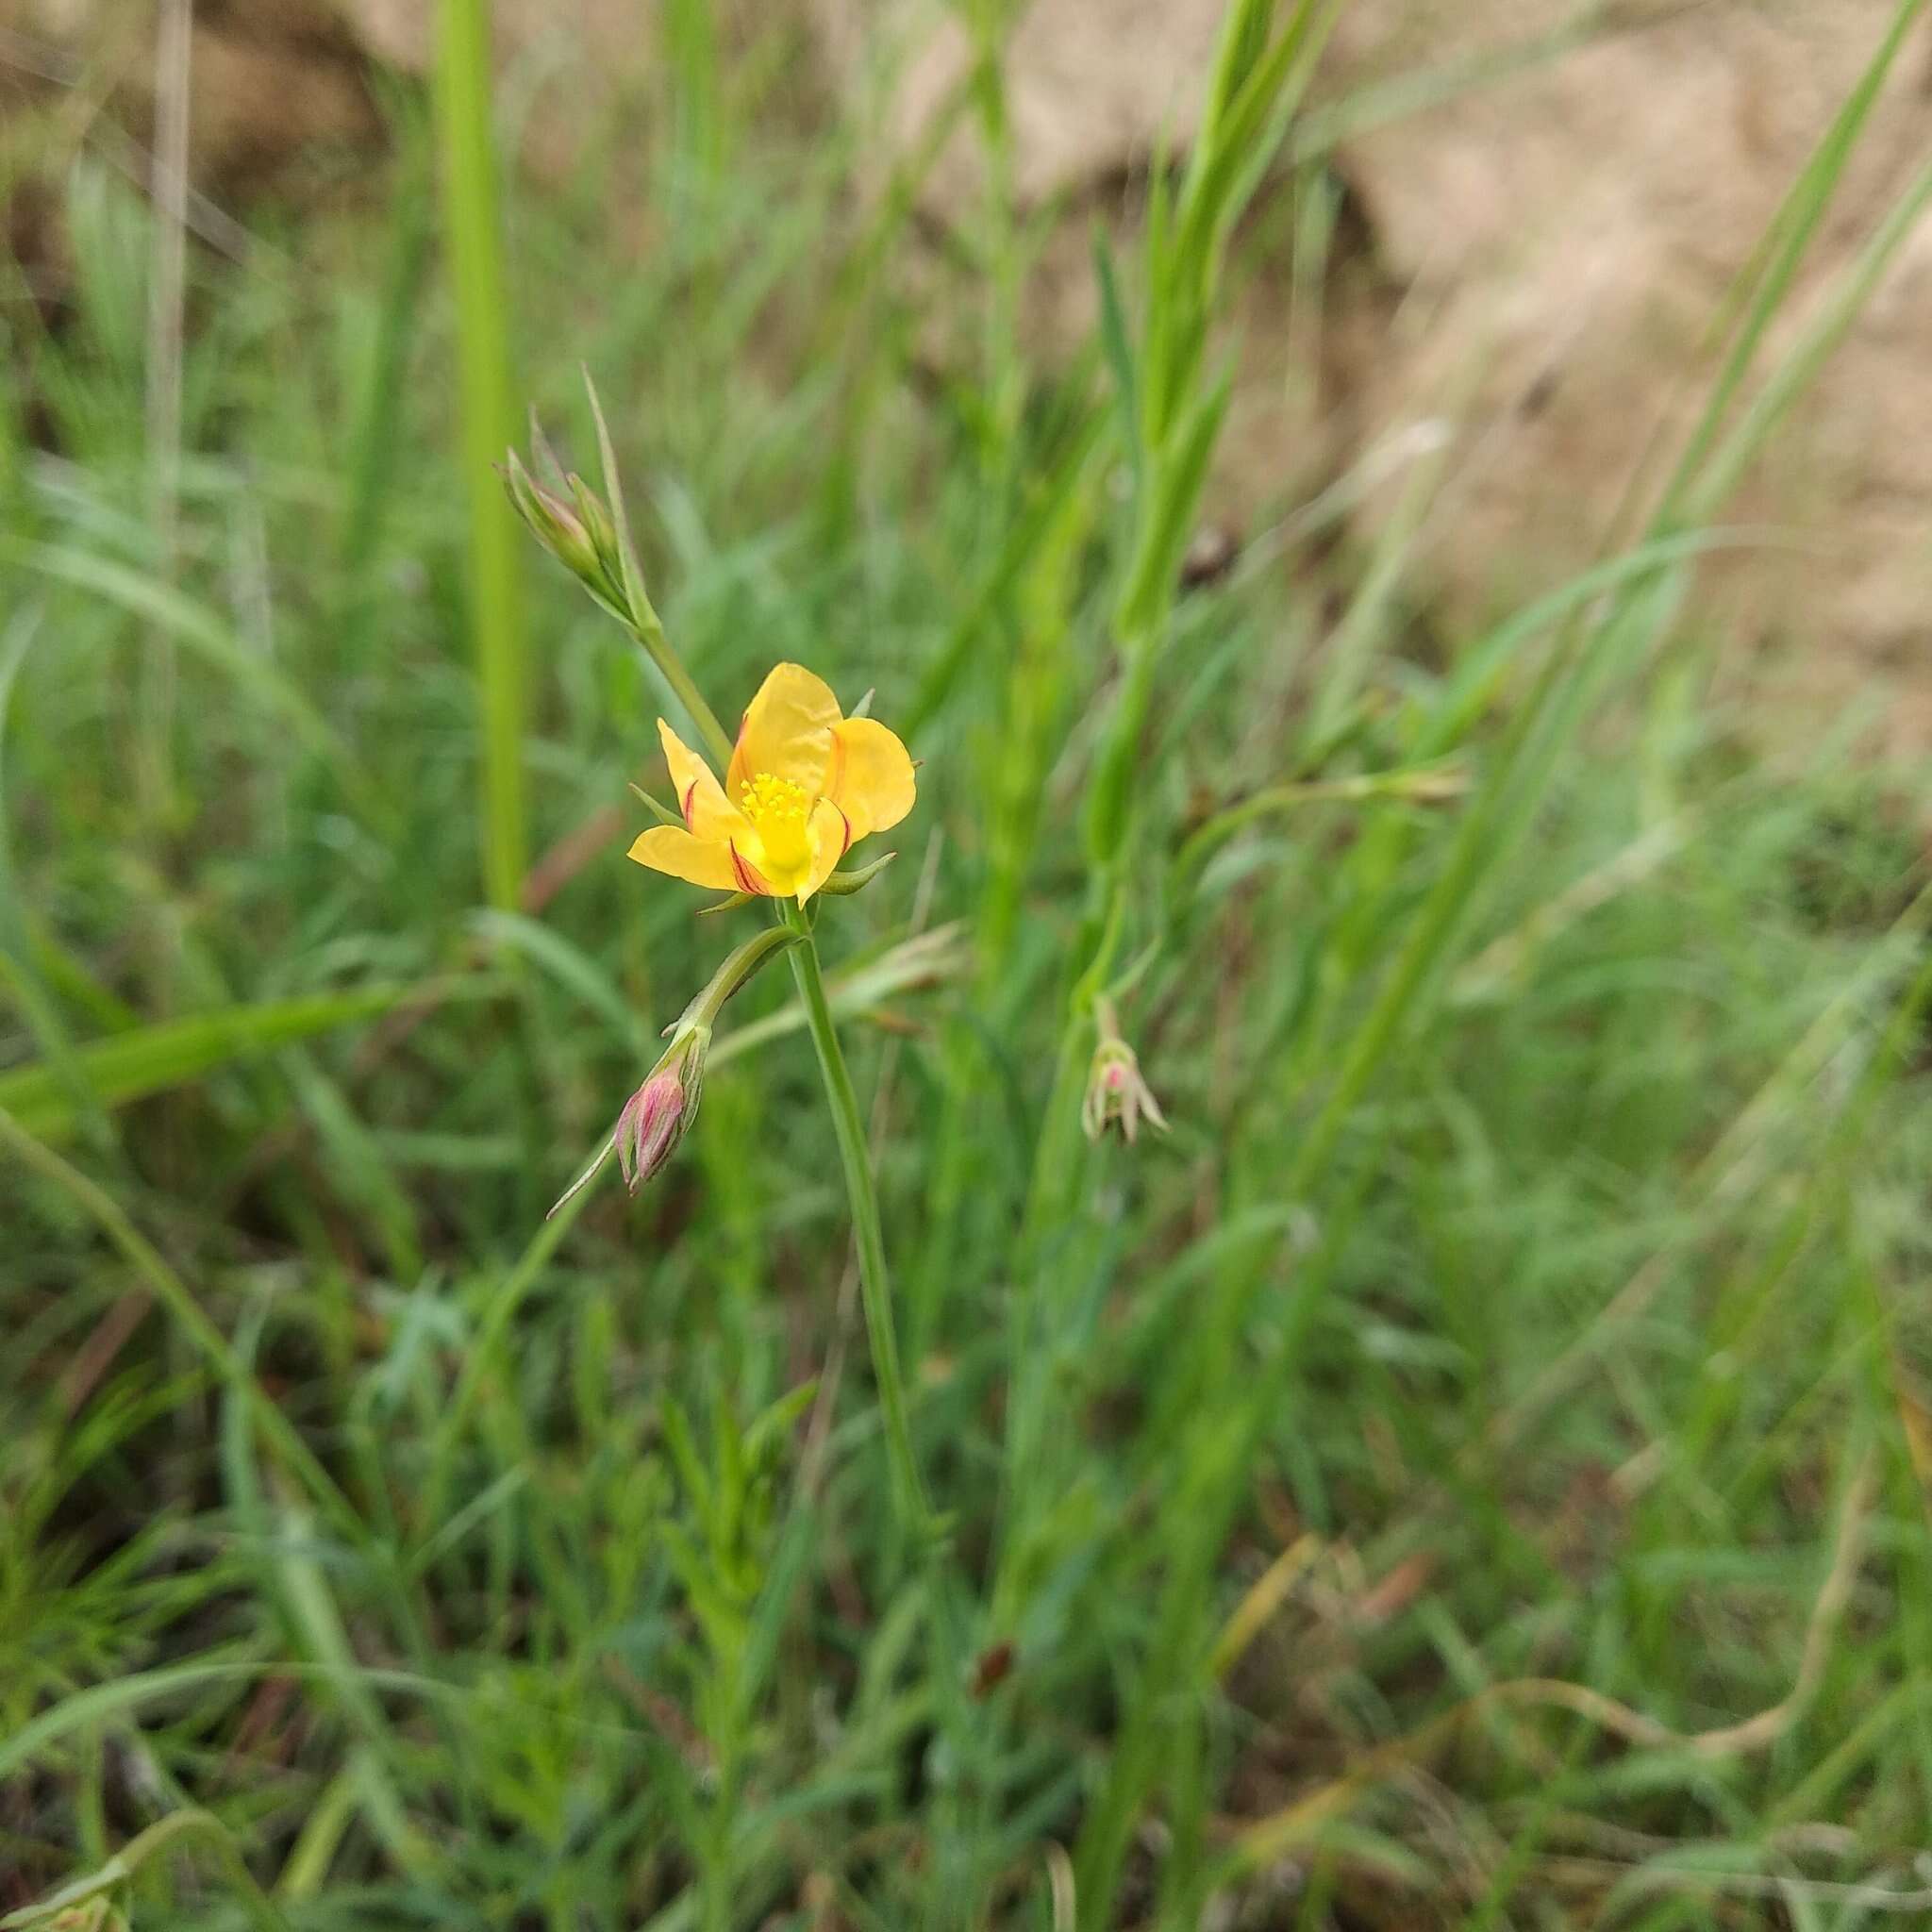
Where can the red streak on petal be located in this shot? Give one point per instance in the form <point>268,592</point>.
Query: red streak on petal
<point>690,791</point>
<point>748,879</point>
<point>847,824</point>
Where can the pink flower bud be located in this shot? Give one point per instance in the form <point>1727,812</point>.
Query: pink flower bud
<point>655,1116</point>
<point>649,1128</point>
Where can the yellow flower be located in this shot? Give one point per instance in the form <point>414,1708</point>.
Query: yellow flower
<point>806,784</point>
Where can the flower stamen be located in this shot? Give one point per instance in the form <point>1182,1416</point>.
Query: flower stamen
<point>768,797</point>
<point>780,811</point>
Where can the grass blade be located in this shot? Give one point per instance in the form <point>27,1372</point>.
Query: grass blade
<point>130,1066</point>
<point>189,624</point>
<point>474,238</point>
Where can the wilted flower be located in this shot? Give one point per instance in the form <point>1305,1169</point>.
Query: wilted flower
<point>1116,1094</point>
<point>654,1117</point>
<point>804,784</point>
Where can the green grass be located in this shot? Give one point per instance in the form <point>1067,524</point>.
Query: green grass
<point>473,230</point>
<point>1463,1475</point>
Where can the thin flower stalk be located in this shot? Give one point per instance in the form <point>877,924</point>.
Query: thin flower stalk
<point>875,1283</point>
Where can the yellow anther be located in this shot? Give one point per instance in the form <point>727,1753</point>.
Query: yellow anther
<point>780,811</point>
<point>771,800</point>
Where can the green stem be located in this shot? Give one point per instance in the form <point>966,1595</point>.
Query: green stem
<point>474,239</point>
<point>649,633</point>
<point>875,1288</point>
<point>635,610</point>
<point>955,1875</point>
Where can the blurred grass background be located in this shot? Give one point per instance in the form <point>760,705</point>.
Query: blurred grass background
<point>1471,1473</point>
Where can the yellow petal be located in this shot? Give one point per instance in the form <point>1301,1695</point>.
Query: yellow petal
<point>775,870</point>
<point>831,837</point>
<point>870,779</point>
<point>703,861</point>
<point>746,872</point>
<point>787,731</point>
<point>700,798</point>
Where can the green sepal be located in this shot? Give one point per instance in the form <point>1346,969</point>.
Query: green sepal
<point>841,885</point>
<point>663,814</point>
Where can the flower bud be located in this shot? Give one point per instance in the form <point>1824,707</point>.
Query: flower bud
<point>555,522</point>
<point>576,530</point>
<point>598,527</point>
<point>1117,1096</point>
<point>654,1117</point>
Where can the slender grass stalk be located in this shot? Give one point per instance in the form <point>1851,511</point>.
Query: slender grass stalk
<point>60,1064</point>
<point>953,1879</point>
<point>1783,249</point>
<point>697,115</point>
<point>1171,409</point>
<point>167,283</point>
<point>875,1284</point>
<point>372,478</point>
<point>474,238</point>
